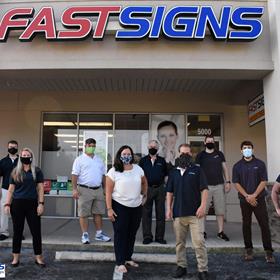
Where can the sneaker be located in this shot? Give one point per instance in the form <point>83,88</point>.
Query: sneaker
<point>102,237</point>
<point>179,272</point>
<point>85,238</point>
<point>223,236</point>
<point>248,255</point>
<point>205,235</point>
<point>269,257</point>
<point>203,275</point>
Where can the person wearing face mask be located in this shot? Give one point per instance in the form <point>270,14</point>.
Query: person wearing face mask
<point>187,193</point>
<point>155,170</point>
<point>7,164</point>
<point>214,166</point>
<point>88,177</point>
<point>250,178</point>
<point>25,200</point>
<point>126,192</point>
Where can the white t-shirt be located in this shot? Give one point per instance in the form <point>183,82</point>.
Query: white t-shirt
<point>127,188</point>
<point>89,170</point>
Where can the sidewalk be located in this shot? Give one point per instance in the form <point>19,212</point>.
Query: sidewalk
<point>64,234</point>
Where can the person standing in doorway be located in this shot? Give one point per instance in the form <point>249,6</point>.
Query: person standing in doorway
<point>7,164</point>
<point>88,177</point>
<point>275,195</point>
<point>250,176</point>
<point>214,166</point>
<point>155,170</point>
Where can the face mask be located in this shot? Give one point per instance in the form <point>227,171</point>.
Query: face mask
<point>89,150</point>
<point>126,159</point>
<point>26,160</point>
<point>153,151</point>
<point>184,160</point>
<point>12,151</point>
<point>247,153</point>
<point>210,146</point>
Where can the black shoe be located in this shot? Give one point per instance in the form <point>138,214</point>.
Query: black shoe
<point>3,237</point>
<point>223,236</point>
<point>147,241</point>
<point>42,265</point>
<point>161,241</point>
<point>15,264</point>
<point>203,275</point>
<point>205,235</point>
<point>180,271</point>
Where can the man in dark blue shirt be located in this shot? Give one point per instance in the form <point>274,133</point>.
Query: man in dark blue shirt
<point>187,186</point>
<point>250,177</point>
<point>7,164</point>
<point>155,170</point>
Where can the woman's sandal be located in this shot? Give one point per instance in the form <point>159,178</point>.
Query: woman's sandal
<point>132,263</point>
<point>121,269</point>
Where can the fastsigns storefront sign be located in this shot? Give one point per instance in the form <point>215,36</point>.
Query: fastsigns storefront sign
<point>179,22</point>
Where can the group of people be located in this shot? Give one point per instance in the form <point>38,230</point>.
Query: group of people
<point>182,192</point>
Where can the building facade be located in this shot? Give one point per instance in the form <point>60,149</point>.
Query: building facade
<point>55,92</point>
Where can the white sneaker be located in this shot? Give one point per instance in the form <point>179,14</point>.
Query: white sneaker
<point>102,237</point>
<point>85,238</point>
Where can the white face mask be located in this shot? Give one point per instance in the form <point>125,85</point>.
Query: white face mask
<point>247,153</point>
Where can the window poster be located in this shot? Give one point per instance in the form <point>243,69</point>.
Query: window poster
<point>169,130</point>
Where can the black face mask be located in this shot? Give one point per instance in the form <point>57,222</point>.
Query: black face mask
<point>12,151</point>
<point>153,151</point>
<point>210,146</point>
<point>185,160</point>
<point>26,160</point>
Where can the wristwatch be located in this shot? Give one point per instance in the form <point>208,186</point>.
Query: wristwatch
<point>41,202</point>
<point>228,182</point>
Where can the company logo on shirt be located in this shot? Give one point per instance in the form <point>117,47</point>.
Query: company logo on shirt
<point>2,270</point>
<point>191,173</point>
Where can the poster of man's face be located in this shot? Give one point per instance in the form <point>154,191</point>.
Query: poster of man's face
<point>169,130</point>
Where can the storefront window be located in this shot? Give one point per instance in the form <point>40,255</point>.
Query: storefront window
<point>132,130</point>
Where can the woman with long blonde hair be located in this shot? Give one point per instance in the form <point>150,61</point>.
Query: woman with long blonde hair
<point>25,200</point>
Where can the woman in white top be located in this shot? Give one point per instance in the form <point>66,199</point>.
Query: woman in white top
<point>126,189</point>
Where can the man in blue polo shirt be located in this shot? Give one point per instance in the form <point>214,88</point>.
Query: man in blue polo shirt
<point>155,170</point>
<point>275,195</point>
<point>250,177</point>
<point>187,186</point>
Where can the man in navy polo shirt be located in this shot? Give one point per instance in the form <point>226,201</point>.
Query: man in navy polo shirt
<point>7,164</point>
<point>250,177</point>
<point>187,186</point>
<point>275,195</point>
<point>155,170</point>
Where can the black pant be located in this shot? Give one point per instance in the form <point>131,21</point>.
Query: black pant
<point>261,215</point>
<point>125,228</point>
<point>21,209</point>
<point>156,195</point>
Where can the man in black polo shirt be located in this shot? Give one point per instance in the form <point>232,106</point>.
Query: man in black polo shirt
<point>187,184</point>
<point>275,195</point>
<point>7,164</point>
<point>155,170</point>
<point>250,177</point>
<point>213,164</point>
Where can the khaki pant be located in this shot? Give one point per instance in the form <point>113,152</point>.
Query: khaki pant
<point>181,227</point>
